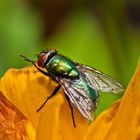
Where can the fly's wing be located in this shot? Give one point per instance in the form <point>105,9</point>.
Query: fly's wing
<point>98,80</point>
<point>78,97</point>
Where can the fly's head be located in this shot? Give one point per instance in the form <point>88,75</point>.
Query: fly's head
<point>45,56</point>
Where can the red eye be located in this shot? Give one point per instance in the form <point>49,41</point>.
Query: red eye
<point>41,59</point>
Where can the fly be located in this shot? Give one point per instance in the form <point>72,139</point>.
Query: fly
<point>81,83</point>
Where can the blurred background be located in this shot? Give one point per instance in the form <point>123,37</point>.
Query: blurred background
<point>104,34</point>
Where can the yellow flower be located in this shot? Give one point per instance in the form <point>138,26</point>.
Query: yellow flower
<point>26,89</point>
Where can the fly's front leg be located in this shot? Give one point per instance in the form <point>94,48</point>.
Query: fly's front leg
<point>54,92</point>
<point>33,62</point>
<point>71,108</point>
<point>42,71</point>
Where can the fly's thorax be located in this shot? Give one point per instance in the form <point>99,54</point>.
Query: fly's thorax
<point>59,65</point>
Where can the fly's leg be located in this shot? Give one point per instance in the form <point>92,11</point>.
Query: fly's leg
<point>71,108</point>
<point>33,62</point>
<point>42,71</point>
<point>54,92</point>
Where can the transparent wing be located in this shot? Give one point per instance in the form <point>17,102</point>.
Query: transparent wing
<point>78,97</point>
<point>98,80</point>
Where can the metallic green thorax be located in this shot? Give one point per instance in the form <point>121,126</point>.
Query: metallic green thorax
<point>62,66</point>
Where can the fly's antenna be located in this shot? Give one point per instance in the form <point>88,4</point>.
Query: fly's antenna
<point>27,59</point>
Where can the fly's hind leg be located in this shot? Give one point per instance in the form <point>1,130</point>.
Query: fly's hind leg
<point>71,108</point>
<point>54,92</point>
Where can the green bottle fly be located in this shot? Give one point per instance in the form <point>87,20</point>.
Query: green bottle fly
<point>81,83</point>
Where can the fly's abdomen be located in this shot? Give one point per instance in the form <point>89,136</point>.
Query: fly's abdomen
<point>85,89</point>
<point>62,66</point>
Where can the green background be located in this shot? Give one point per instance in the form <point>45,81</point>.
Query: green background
<point>101,34</point>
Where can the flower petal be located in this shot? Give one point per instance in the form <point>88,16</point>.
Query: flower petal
<point>27,89</point>
<point>14,125</point>
<point>121,120</point>
<point>102,124</point>
<point>56,121</point>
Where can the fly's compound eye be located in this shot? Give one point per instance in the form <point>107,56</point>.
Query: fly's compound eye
<point>45,56</point>
<point>41,59</point>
